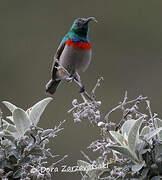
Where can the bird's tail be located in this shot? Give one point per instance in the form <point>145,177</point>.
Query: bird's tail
<point>52,85</point>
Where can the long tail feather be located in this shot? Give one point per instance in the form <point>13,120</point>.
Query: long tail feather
<point>52,85</point>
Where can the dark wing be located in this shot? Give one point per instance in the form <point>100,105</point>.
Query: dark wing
<point>56,58</point>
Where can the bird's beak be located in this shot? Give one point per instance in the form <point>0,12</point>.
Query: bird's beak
<point>90,19</point>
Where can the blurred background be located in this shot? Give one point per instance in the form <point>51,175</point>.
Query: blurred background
<point>127,52</point>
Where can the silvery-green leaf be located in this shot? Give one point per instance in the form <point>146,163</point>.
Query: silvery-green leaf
<point>47,153</point>
<point>37,151</point>
<point>83,163</point>
<point>158,149</point>
<point>12,128</point>
<point>25,160</point>
<point>158,124</point>
<point>156,178</point>
<point>10,137</point>
<point>47,132</point>
<point>4,124</point>
<point>37,110</point>
<point>126,126</point>
<point>152,133</point>
<point>133,136</point>
<point>144,173</point>
<point>119,138</point>
<point>117,164</point>
<point>87,167</point>
<point>17,174</point>
<point>138,166</point>
<point>141,144</point>
<point>21,121</point>
<point>145,130</point>
<point>85,177</point>
<point>93,174</point>
<point>104,174</point>
<point>10,118</point>
<point>9,105</point>
<point>124,151</point>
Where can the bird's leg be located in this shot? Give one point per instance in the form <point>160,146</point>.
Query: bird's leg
<point>74,77</point>
<point>77,78</point>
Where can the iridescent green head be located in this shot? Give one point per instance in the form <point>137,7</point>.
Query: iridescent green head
<point>80,26</point>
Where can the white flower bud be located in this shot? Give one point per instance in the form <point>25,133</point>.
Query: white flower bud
<point>75,102</point>
<point>75,115</point>
<point>2,134</point>
<point>98,103</point>
<point>97,117</point>
<point>100,124</point>
<point>77,120</point>
<point>85,115</point>
<point>97,112</point>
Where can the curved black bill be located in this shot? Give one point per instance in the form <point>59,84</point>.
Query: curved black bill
<point>87,20</point>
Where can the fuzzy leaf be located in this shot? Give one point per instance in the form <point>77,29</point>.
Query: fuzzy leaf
<point>126,126</point>
<point>17,174</point>
<point>47,153</point>
<point>124,151</point>
<point>9,137</point>
<point>144,173</point>
<point>138,167</point>
<point>37,152</point>
<point>93,174</point>
<point>10,118</point>
<point>158,150</point>
<point>133,136</point>
<point>85,166</point>
<point>21,121</point>
<point>152,133</point>
<point>145,130</point>
<point>37,110</point>
<point>158,124</point>
<point>104,174</point>
<point>25,160</point>
<point>47,132</point>
<point>83,163</point>
<point>10,106</point>
<point>156,178</point>
<point>4,124</point>
<point>119,138</point>
<point>12,128</point>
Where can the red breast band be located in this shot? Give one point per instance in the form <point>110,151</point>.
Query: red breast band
<point>79,45</point>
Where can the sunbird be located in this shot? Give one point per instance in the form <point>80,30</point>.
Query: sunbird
<point>72,56</point>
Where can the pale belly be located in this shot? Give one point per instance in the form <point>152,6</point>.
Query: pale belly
<point>75,60</point>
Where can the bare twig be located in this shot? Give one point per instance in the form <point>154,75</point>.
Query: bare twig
<point>86,157</point>
<point>1,125</point>
<point>97,85</point>
<point>58,161</point>
<point>124,103</point>
<point>150,112</point>
<point>0,114</point>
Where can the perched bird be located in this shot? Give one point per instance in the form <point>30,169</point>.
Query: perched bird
<point>73,54</point>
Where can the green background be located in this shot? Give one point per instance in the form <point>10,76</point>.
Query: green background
<point>127,52</point>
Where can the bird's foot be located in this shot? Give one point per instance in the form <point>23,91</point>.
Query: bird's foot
<point>82,89</point>
<point>70,79</point>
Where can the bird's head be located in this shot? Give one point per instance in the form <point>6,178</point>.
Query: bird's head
<point>80,26</point>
